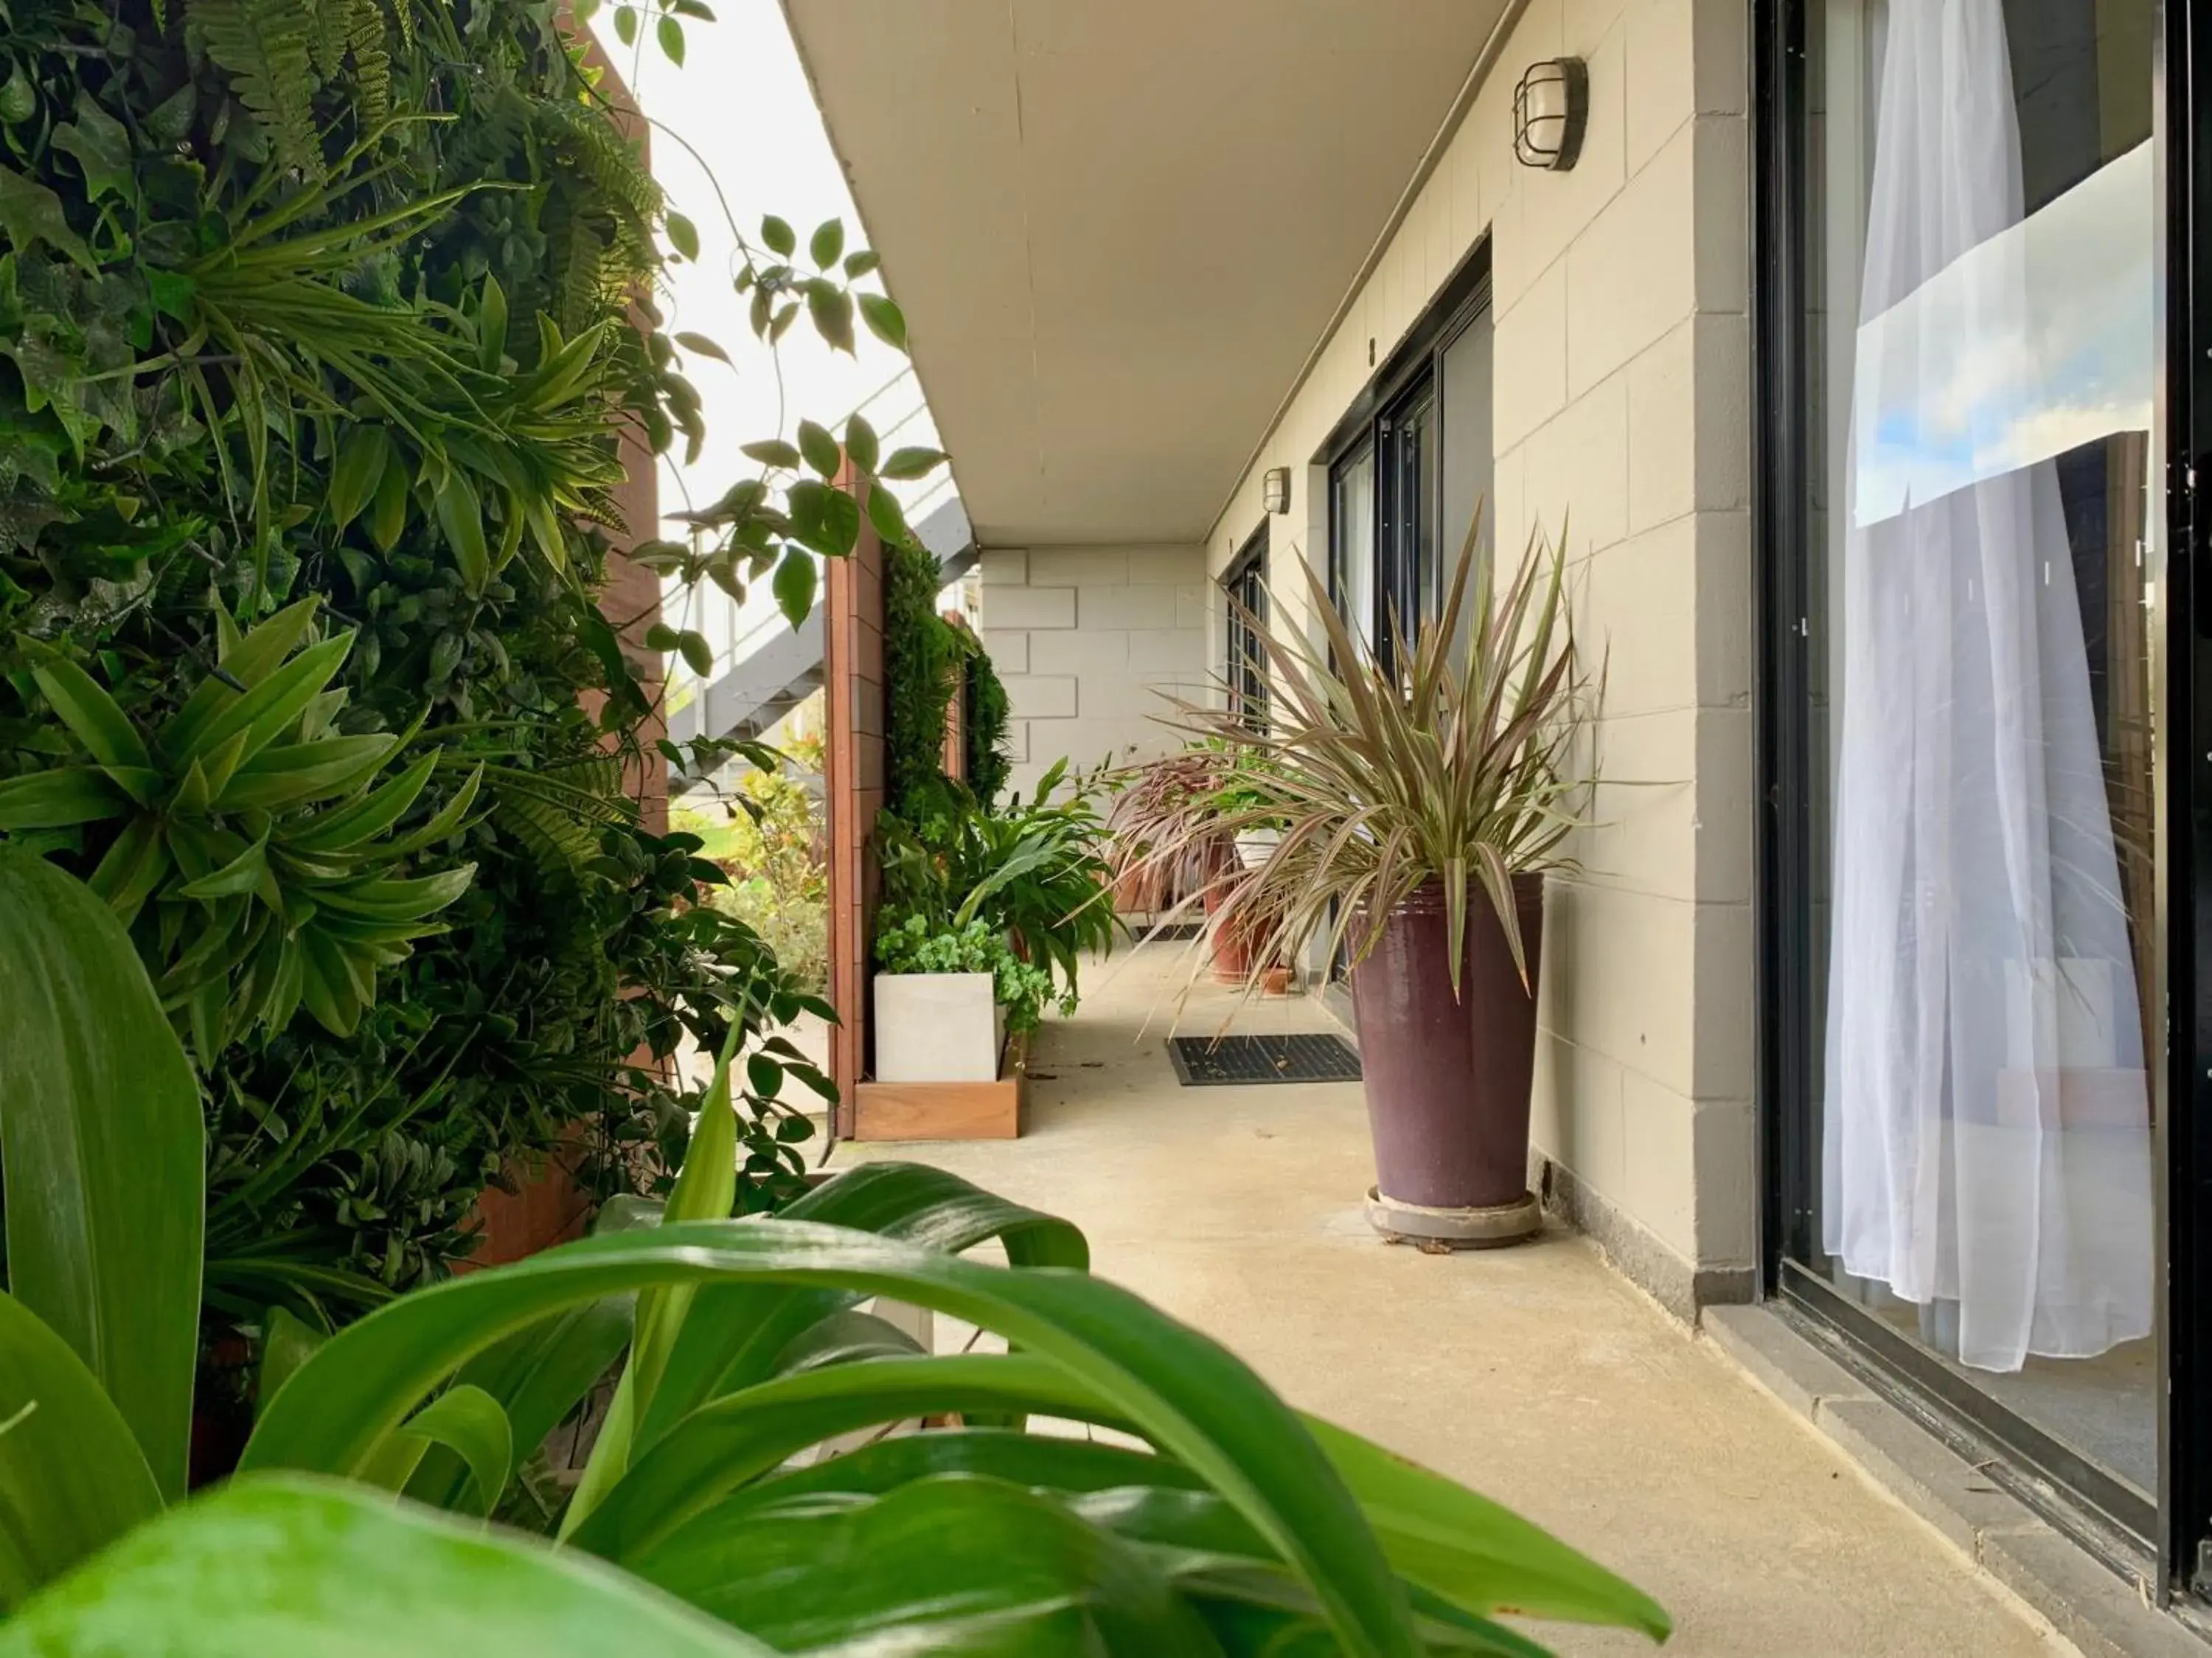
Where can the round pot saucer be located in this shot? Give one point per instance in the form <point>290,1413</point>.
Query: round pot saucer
<point>1487,1228</point>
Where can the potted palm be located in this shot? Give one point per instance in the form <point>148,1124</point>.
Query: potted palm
<point>1419,806</point>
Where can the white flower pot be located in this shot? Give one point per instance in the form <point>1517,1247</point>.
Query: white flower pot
<point>1254,846</point>
<point>937,1028</point>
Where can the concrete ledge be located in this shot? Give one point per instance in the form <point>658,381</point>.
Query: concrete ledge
<point>2090,1604</point>
<point>1676,1284</point>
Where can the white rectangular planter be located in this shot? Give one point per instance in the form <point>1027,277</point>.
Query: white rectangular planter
<point>937,1028</point>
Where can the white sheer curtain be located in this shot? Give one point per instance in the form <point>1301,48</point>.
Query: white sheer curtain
<point>1986,1123</point>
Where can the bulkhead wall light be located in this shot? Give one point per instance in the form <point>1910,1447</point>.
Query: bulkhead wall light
<point>1551,103</point>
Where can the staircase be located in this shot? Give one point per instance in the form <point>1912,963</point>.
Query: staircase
<point>774,667</point>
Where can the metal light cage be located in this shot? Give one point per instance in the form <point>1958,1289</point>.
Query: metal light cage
<point>1551,102</point>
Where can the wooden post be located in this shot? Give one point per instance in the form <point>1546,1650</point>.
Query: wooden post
<point>956,711</point>
<point>853,777</point>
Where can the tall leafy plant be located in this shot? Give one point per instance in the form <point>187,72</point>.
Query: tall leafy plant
<point>986,715</point>
<point>1244,1529</point>
<point>922,655</point>
<point>1462,765</point>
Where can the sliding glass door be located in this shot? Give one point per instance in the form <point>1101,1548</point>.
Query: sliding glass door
<point>1965,710</point>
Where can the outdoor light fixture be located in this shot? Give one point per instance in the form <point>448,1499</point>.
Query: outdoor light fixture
<point>1275,489</point>
<point>1550,104</point>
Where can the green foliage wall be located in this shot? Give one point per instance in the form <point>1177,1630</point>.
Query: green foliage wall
<point>921,650</point>
<point>984,726</point>
<point>334,300</point>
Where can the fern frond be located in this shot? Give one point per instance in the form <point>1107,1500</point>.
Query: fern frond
<point>578,257</point>
<point>372,64</point>
<point>326,40</point>
<point>267,47</point>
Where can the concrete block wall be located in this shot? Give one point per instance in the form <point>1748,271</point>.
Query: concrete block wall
<point>1621,403</point>
<point>1087,639</point>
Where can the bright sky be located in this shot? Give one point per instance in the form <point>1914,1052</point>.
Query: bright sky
<point>742,102</point>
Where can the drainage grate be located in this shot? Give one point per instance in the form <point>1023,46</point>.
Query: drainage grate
<point>1200,1061</point>
<point>1167,932</point>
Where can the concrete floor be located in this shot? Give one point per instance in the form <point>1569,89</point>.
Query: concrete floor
<point>1535,1374</point>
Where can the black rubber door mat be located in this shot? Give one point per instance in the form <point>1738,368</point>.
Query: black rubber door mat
<point>1243,1061</point>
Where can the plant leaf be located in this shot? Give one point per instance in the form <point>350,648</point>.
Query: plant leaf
<point>885,320</point>
<point>92,716</point>
<point>793,585</point>
<point>907,464</point>
<point>743,1435</point>
<point>773,452</point>
<point>30,214</point>
<point>72,1479</point>
<point>779,235</point>
<point>832,311</point>
<point>363,458</point>
<point>861,443</point>
<point>1477,1553</point>
<point>467,1421</point>
<point>102,1150</point>
<point>887,516</point>
<point>102,148</point>
<point>820,448</point>
<point>706,1189</point>
<point>56,798</point>
<point>827,245</point>
<point>286,1342</point>
<point>738,1334</point>
<point>314,1570</point>
<point>1186,1394</point>
<point>460,518</point>
<point>954,1564</point>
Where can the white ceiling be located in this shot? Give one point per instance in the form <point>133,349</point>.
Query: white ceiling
<point>1117,227</point>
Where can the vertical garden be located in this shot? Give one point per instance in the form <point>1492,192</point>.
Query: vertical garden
<point>323,330</point>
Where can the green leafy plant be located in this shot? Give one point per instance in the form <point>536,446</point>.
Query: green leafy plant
<point>1036,871</point>
<point>772,851</point>
<point>1245,1528</point>
<point>984,719</point>
<point>251,840</point>
<point>357,302</point>
<point>1458,768</point>
<point>922,655</point>
<point>915,946</point>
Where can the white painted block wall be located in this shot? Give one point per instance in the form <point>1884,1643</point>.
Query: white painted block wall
<point>1087,639</point>
<point>1622,410</point>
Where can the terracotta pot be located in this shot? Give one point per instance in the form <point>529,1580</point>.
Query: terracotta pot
<point>1448,1081</point>
<point>1140,892</point>
<point>1232,946</point>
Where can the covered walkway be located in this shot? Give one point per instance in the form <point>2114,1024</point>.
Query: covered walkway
<point>1535,1374</point>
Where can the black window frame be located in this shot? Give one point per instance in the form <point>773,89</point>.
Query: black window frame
<point>1385,420</point>
<point>1245,663</point>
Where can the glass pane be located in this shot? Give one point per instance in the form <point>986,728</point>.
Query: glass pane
<point>1467,458</point>
<point>1409,516</point>
<point>1982,714</point>
<point>1352,544</point>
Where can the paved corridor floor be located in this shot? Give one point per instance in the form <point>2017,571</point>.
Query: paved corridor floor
<point>1535,1374</point>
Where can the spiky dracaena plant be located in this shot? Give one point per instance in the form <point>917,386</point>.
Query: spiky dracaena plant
<point>1458,764</point>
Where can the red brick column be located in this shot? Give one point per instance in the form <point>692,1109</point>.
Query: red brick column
<point>853,674</point>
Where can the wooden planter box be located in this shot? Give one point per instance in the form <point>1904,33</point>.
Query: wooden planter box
<point>946,1110</point>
